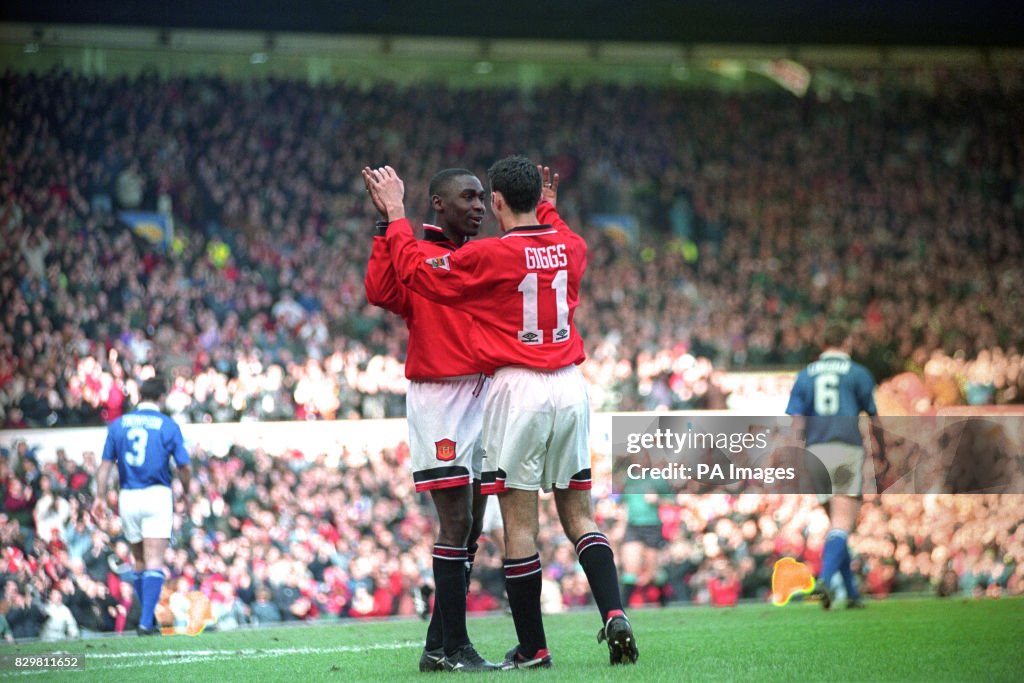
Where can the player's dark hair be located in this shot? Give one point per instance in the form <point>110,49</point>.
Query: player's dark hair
<point>518,181</point>
<point>152,389</point>
<point>441,183</point>
<point>836,334</point>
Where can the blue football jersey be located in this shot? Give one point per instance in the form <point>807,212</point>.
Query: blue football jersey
<point>832,391</point>
<point>142,444</point>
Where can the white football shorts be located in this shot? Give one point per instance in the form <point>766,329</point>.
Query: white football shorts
<point>146,513</point>
<point>845,465</point>
<point>537,430</point>
<point>445,418</point>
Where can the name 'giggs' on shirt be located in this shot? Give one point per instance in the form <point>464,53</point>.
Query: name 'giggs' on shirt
<point>546,257</point>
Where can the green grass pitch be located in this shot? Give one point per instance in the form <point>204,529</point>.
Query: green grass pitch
<point>896,640</point>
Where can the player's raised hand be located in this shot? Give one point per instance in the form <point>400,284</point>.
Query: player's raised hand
<point>371,188</point>
<point>377,203</point>
<point>548,185</point>
<point>389,189</point>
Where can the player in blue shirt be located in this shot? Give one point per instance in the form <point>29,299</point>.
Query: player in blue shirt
<point>142,444</point>
<point>830,394</point>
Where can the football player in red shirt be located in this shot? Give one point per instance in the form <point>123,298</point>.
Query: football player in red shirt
<point>522,289</point>
<point>444,407</point>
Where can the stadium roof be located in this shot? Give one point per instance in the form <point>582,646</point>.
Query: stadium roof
<point>851,22</point>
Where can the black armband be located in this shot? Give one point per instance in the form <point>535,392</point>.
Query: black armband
<point>380,228</point>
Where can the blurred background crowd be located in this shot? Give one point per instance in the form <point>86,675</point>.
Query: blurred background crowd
<point>900,212</point>
<point>284,537</point>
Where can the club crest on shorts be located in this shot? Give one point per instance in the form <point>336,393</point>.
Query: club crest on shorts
<point>445,449</point>
<point>439,262</point>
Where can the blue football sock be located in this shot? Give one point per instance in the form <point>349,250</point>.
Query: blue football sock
<point>832,558</point>
<point>136,579</point>
<point>847,573</point>
<point>152,584</point>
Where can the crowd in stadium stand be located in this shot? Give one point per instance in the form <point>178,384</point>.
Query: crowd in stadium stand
<point>273,537</point>
<point>899,211</point>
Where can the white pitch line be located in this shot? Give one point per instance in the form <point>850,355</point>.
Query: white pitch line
<point>248,652</point>
<point>198,656</point>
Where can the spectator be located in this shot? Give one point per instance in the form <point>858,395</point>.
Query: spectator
<point>725,588</point>
<point>5,628</point>
<point>51,513</point>
<point>179,602</point>
<point>60,624</point>
<point>19,504</point>
<point>127,608</point>
<point>79,538</point>
<point>478,600</point>
<point>226,609</point>
<point>91,606</point>
<point>34,248</point>
<point>263,610</point>
<point>25,616</point>
<point>97,558</point>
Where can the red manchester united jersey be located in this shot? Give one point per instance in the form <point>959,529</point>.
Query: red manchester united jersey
<point>521,288</point>
<point>438,335</point>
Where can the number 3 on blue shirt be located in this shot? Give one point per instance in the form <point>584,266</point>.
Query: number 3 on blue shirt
<point>138,438</point>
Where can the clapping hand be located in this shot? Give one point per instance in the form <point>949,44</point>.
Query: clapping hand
<point>387,190</point>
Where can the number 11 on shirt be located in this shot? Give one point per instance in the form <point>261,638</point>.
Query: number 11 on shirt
<point>531,332</point>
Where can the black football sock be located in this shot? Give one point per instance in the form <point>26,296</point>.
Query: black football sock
<point>450,599</point>
<point>598,564</point>
<point>523,584</point>
<point>628,588</point>
<point>435,634</point>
